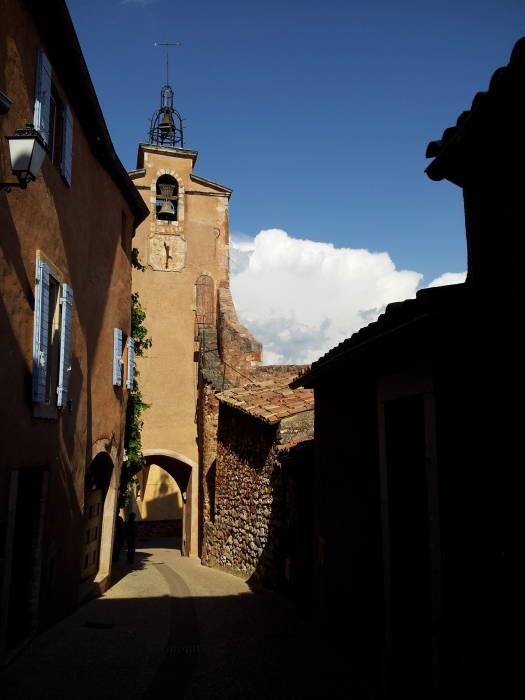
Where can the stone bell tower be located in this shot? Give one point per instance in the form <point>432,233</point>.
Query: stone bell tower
<point>183,245</point>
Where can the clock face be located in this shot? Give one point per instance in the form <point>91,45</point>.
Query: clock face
<point>167,252</point>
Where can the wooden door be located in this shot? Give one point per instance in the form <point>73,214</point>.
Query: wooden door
<point>205,306</point>
<point>91,532</point>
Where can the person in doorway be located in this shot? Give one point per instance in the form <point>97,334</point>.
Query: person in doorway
<point>131,536</point>
<point>119,537</point>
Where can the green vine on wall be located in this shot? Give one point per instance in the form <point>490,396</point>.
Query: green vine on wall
<point>132,434</point>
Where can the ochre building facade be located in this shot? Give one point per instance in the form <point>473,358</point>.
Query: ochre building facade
<point>65,285</point>
<point>183,245</point>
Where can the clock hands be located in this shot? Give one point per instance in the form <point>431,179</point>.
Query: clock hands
<point>168,256</point>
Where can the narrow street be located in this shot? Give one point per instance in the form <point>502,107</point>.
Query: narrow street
<point>169,627</point>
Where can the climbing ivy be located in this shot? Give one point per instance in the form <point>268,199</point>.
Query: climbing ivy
<point>132,435</point>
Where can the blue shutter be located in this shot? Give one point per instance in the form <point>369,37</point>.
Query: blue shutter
<point>65,344</point>
<point>41,331</point>
<point>67,145</point>
<point>42,95</point>
<point>131,363</point>
<point>117,357</point>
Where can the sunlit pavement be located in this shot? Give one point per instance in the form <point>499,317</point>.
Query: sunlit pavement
<point>170,628</point>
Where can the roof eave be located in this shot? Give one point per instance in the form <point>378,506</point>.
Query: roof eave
<point>58,32</point>
<point>169,150</point>
<point>203,181</point>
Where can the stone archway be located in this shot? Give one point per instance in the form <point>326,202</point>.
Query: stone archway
<point>98,520</point>
<point>184,471</point>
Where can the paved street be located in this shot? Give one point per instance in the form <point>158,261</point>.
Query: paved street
<point>169,628</point>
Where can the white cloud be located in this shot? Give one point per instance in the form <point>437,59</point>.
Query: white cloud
<point>300,297</point>
<point>448,278</point>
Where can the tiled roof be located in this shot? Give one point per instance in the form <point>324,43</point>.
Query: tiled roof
<point>499,81</point>
<point>269,400</point>
<point>395,315</point>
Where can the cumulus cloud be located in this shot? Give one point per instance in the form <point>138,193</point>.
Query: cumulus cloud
<point>300,297</point>
<point>448,278</point>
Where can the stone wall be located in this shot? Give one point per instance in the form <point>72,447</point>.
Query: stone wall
<point>247,498</point>
<point>208,416</point>
<point>296,427</point>
<point>240,471</point>
<point>248,532</point>
<point>239,350</point>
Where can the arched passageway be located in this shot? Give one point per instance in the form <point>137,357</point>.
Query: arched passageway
<point>164,494</point>
<point>158,501</point>
<point>98,517</point>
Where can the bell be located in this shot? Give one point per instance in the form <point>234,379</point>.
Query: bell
<point>166,124</point>
<point>167,211</point>
<point>166,189</point>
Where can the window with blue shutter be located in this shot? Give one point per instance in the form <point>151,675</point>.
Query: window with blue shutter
<point>42,95</point>
<point>117,357</point>
<point>41,332</point>
<point>131,363</point>
<point>67,145</point>
<point>66,301</point>
<point>53,119</point>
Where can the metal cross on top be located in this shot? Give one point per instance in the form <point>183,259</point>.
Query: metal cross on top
<point>167,44</point>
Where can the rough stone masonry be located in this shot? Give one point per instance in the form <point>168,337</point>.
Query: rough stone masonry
<point>245,529</point>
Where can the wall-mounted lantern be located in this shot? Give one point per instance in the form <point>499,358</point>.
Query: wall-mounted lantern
<point>27,151</point>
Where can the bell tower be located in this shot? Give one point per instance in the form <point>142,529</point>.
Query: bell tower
<point>166,122</point>
<point>183,245</point>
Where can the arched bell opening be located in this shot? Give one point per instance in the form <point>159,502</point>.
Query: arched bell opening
<point>97,482</point>
<point>166,205</point>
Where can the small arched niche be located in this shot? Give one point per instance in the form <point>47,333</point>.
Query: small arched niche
<point>204,300</point>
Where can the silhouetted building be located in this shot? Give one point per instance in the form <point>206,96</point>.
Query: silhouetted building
<point>416,444</point>
<point>65,277</point>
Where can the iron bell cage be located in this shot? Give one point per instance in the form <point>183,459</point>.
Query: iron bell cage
<point>166,123</point>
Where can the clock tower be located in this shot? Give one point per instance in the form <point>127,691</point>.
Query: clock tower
<point>183,245</point>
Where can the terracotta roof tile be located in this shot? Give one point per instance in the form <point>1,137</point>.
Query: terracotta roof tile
<point>270,400</point>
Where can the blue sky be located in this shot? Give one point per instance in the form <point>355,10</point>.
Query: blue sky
<point>317,114</point>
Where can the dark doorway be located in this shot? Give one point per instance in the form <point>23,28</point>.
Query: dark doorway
<point>26,547</point>
<point>408,522</point>
<point>97,481</point>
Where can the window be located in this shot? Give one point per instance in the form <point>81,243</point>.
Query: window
<point>51,339</point>
<point>167,198</point>
<point>118,363</point>
<point>118,345</point>
<point>53,119</point>
<point>131,363</point>
<point>56,127</point>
